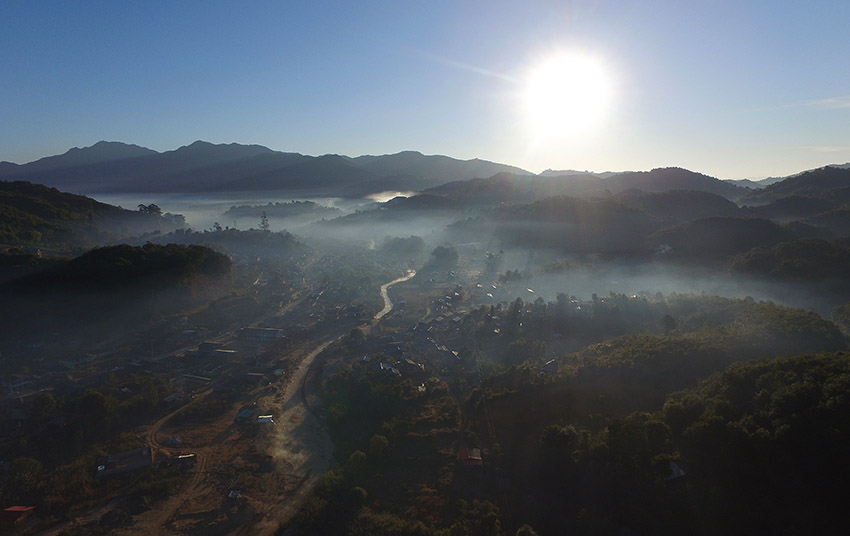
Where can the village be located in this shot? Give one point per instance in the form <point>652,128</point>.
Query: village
<point>250,388</point>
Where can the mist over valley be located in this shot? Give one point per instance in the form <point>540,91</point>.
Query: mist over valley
<point>229,316</point>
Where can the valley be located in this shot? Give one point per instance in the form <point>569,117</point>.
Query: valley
<point>596,354</point>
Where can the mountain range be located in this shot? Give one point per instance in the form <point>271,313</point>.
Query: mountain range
<point>205,167</point>
<point>117,167</point>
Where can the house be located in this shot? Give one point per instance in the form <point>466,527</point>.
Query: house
<point>679,474</point>
<point>183,460</point>
<point>9,517</point>
<point>471,457</point>
<point>124,462</point>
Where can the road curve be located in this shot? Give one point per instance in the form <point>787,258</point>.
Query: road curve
<point>388,303</point>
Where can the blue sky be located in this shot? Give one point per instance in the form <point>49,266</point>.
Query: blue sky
<point>731,89</point>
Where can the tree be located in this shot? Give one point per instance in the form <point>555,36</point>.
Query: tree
<point>356,338</point>
<point>264,221</point>
<point>44,406</point>
<point>841,316</point>
<point>25,477</point>
<point>356,468</point>
<point>668,323</point>
<point>526,530</point>
<point>444,256</point>
<point>378,447</point>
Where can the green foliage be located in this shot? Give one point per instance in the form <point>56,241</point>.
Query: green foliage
<point>378,448</point>
<point>250,244</point>
<point>291,209</point>
<point>478,518</point>
<point>714,239</point>
<point>802,260</point>
<point>355,338</point>
<point>770,433</point>
<point>128,267</point>
<point>36,215</point>
<point>44,406</point>
<point>443,258</point>
<point>24,481</point>
<point>841,316</point>
<point>526,530</point>
<point>370,523</point>
<point>412,247</point>
<point>523,350</point>
<point>575,225</point>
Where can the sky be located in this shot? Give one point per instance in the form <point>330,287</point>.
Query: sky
<point>731,89</point>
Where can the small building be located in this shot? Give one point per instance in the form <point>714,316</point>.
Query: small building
<point>184,460</point>
<point>679,474</point>
<point>471,457</point>
<point>9,517</point>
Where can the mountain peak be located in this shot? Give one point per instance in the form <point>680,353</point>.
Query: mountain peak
<point>102,151</point>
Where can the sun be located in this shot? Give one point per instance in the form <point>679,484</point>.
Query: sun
<point>565,95</point>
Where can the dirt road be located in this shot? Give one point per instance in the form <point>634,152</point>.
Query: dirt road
<point>297,451</point>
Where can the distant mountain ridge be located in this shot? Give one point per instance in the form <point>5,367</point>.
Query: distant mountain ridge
<point>206,167</point>
<point>829,182</point>
<point>201,166</point>
<point>510,188</point>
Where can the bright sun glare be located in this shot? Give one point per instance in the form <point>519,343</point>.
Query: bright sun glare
<point>565,96</point>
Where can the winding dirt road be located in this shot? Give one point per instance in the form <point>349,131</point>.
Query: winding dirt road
<point>388,303</point>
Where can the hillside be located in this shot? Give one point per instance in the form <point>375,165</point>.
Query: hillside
<point>712,240</point>
<point>106,290</point>
<point>664,179</point>
<point>131,269</point>
<point>818,183</point>
<point>35,215</point>
<point>511,188</point>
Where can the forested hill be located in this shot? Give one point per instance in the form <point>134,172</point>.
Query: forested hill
<point>36,215</point>
<point>511,188</point>
<point>831,183</point>
<point>128,268</point>
<point>109,290</point>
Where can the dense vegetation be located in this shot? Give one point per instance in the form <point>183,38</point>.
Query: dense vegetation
<point>35,215</point>
<point>292,209</point>
<point>86,425</point>
<point>106,291</point>
<point>604,442</point>
<point>241,245</point>
<point>128,268</point>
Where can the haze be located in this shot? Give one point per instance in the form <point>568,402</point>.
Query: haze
<point>431,269</point>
